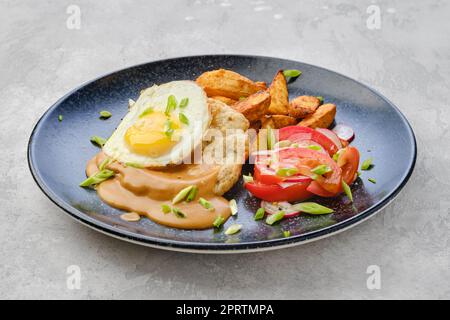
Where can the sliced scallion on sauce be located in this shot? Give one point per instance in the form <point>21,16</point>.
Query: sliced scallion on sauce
<point>97,178</point>
<point>104,163</point>
<point>178,213</point>
<point>286,233</point>
<point>234,228</point>
<point>347,190</point>
<point>166,208</point>
<point>270,220</point>
<point>134,165</point>
<point>206,204</point>
<point>192,194</point>
<point>182,195</point>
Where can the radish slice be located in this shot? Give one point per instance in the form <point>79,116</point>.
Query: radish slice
<point>274,207</point>
<point>331,135</point>
<point>344,132</point>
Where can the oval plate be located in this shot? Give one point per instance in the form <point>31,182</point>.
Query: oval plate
<point>58,153</point>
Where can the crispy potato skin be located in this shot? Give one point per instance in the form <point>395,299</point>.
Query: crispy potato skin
<point>227,83</point>
<point>227,101</point>
<point>279,94</point>
<point>261,84</point>
<point>255,106</point>
<point>303,106</point>
<point>277,121</point>
<point>322,118</point>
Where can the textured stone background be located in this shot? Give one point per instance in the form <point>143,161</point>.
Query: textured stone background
<point>407,59</point>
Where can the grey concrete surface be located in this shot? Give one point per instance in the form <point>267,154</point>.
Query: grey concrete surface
<point>407,59</point>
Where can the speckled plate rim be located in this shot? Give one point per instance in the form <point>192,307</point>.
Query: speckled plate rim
<point>219,248</point>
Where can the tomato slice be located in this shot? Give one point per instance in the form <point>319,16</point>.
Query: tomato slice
<point>307,158</point>
<point>314,187</point>
<point>275,193</point>
<point>299,133</point>
<point>348,161</point>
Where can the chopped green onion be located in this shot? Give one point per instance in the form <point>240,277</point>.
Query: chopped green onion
<point>295,145</point>
<point>336,155</point>
<point>312,208</point>
<point>183,118</point>
<point>184,102</point>
<point>367,164</point>
<point>134,165</point>
<point>242,98</point>
<point>218,222</point>
<point>97,178</point>
<point>146,112</point>
<point>233,207</point>
<point>234,228</point>
<point>275,217</point>
<point>105,114</point>
<point>347,190</point>
<point>259,214</point>
<point>171,104</point>
<point>104,163</point>
<point>247,179</point>
<point>192,194</point>
<point>206,204</point>
<point>182,195</point>
<point>98,141</point>
<point>178,213</point>
<point>60,118</point>
<point>292,73</point>
<point>314,147</point>
<point>166,208</point>
<point>286,172</point>
<point>320,99</point>
<point>372,180</point>
<point>271,139</point>
<point>321,169</point>
<point>168,130</point>
<point>286,233</point>
<point>358,173</point>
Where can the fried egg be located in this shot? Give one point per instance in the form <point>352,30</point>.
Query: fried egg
<point>162,127</point>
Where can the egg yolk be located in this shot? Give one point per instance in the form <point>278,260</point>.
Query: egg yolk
<point>152,135</point>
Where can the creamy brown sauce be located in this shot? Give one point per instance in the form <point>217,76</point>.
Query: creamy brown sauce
<point>143,191</point>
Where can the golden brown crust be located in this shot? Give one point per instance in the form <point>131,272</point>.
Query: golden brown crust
<point>322,118</point>
<point>279,95</point>
<point>227,101</point>
<point>303,106</point>
<point>227,83</point>
<point>255,106</point>
<point>277,121</point>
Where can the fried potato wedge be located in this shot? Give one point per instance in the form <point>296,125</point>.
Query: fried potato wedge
<point>227,83</point>
<point>261,84</point>
<point>303,106</point>
<point>279,95</point>
<point>227,101</point>
<point>322,118</point>
<point>277,121</point>
<point>255,106</point>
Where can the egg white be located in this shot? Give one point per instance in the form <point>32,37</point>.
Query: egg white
<point>191,135</point>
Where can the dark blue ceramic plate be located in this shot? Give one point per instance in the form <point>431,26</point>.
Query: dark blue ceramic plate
<point>58,152</point>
